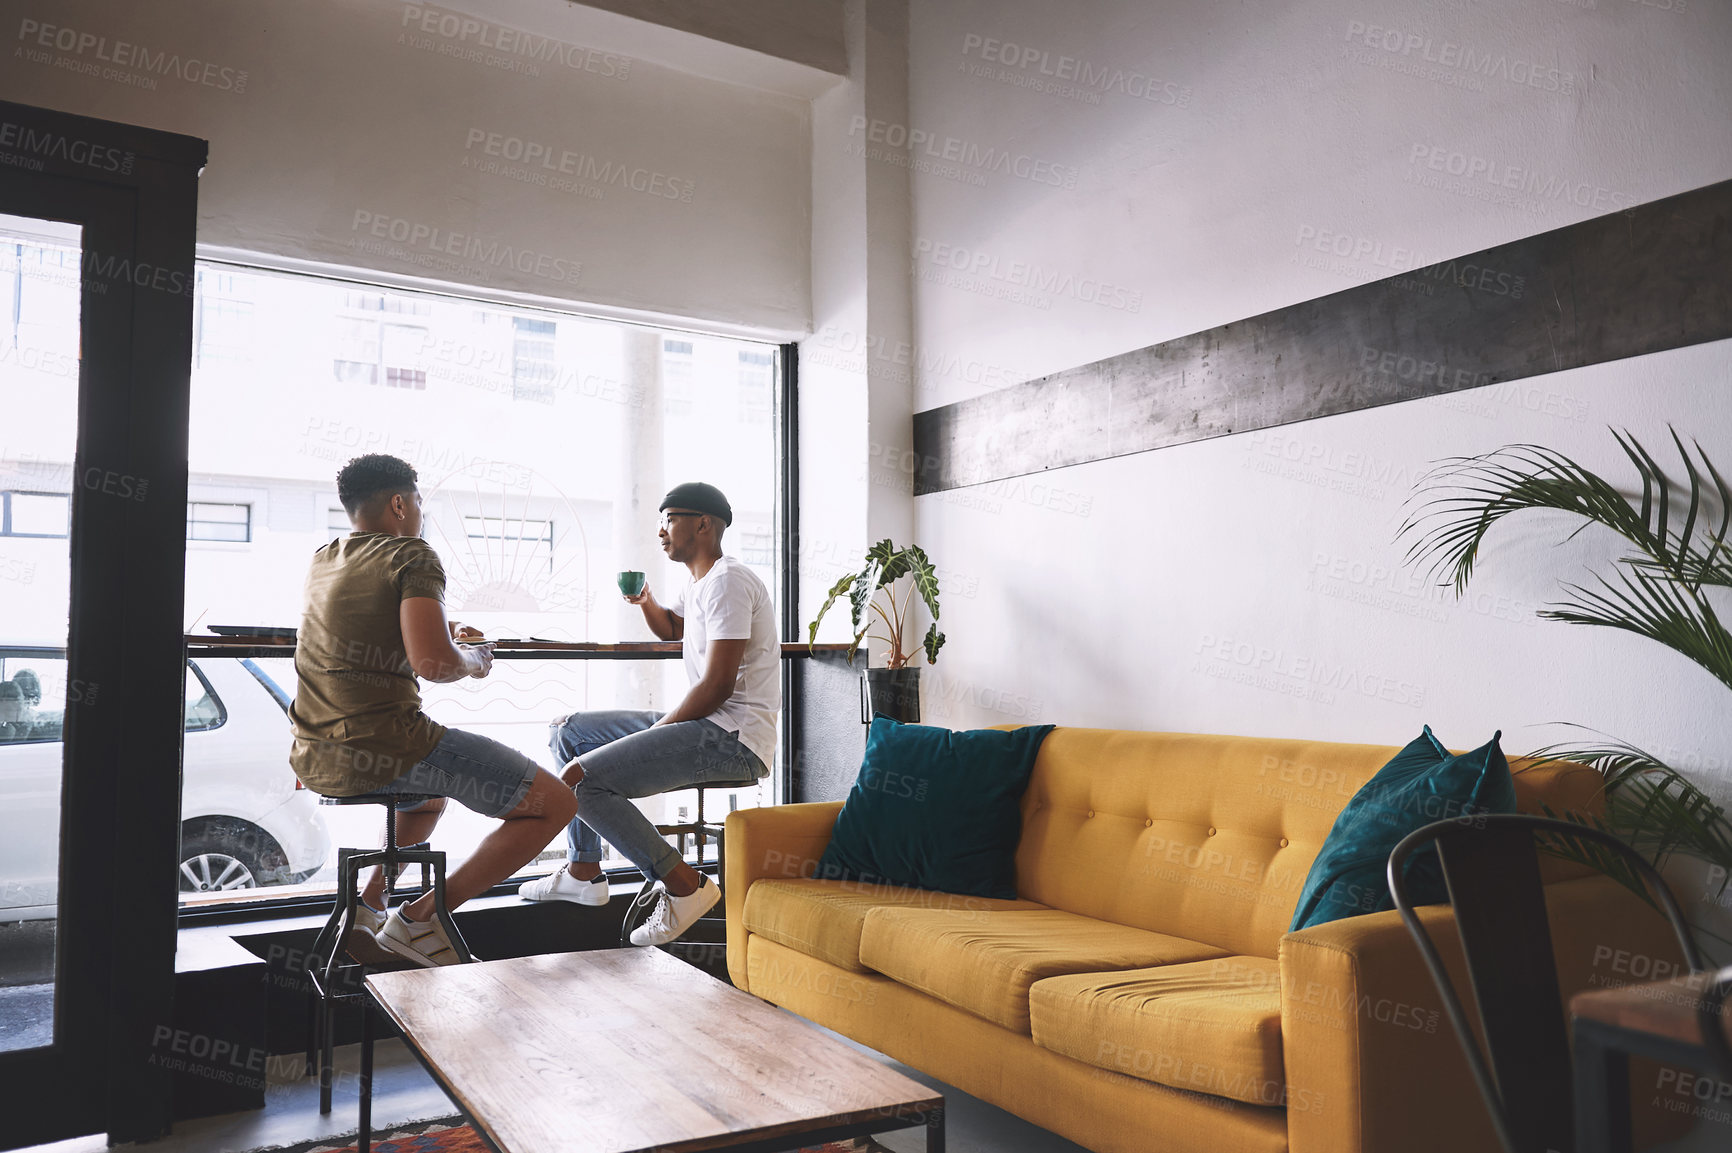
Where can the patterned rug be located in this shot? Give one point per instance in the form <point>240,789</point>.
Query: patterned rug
<point>452,1135</point>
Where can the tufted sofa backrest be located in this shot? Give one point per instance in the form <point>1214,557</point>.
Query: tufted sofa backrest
<point>1208,837</point>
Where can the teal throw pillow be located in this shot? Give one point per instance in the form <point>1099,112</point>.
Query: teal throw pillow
<point>935,809</point>
<point>1423,783</point>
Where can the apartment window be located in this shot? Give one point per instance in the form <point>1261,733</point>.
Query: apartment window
<point>534,369</point>
<point>206,520</point>
<point>387,302</point>
<point>373,351</point>
<point>38,514</point>
<point>222,319</point>
<point>337,523</point>
<point>530,540</point>
<point>357,359</point>
<point>677,399</point>
<point>758,546</point>
<point>757,383</point>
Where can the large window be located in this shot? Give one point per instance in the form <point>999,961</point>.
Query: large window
<point>543,443</point>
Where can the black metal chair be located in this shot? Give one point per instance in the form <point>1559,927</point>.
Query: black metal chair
<point>1491,867</point>
<point>1711,1016</point>
<point>332,979</point>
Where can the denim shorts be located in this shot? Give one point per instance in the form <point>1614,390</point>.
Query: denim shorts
<point>477,771</point>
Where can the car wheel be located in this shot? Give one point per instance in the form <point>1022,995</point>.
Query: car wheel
<point>225,855</point>
<point>208,866</point>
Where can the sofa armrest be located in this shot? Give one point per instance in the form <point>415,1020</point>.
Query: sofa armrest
<point>1372,1062</point>
<point>777,841</point>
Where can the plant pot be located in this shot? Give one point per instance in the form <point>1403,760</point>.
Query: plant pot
<point>893,693</point>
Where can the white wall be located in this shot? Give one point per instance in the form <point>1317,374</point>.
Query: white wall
<point>334,125</point>
<point>1253,584</point>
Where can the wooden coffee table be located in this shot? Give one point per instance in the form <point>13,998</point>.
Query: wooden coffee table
<point>629,1049</point>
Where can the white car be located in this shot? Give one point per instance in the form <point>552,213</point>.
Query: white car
<point>245,819</point>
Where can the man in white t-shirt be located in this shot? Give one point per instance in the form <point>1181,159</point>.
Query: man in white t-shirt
<point>722,733</point>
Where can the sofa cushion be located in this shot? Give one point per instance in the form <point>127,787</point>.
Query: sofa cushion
<point>935,809</point>
<point>1209,1026</point>
<point>823,919</point>
<point>1421,784</point>
<point>985,960</point>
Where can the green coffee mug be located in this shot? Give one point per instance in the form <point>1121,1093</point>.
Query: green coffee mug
<point>631,583</point>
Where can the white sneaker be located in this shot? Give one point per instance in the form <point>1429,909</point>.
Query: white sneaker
<point>560,885</point>
<point>362,943</point>
<point>673,915</point>
<point>424,943</point>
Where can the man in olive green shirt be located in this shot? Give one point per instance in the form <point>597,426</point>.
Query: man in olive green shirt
<point>374,622</point>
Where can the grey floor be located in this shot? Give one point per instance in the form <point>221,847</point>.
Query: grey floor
<point>403,1092</point>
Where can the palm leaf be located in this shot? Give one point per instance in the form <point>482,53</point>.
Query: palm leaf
<point>1658,594</point>
<point>1661,610</point>
<point>1651,805</point>
<point>1472,494</point>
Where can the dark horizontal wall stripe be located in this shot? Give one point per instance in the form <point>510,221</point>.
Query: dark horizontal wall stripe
<point>1654,277</point>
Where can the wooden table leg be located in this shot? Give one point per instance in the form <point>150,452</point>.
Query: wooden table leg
<point>1602,1091</point>
<point>934,1131</point>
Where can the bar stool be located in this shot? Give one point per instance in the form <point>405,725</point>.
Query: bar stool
<point>324,965</point>
<point>704,832</point>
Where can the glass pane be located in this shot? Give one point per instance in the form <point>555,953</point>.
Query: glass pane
<point>39,326</point>
<point>34,514</point>
<point>542,442</point>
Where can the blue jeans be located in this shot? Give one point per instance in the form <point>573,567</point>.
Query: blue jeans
<point>483,774</point>
<point>624,758</point>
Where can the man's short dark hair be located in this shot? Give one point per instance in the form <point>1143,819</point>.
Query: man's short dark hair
<point>29,685</point>
<point>371,476</point>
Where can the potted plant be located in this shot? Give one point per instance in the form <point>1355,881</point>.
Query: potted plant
<point>1680,549</point>
<point>894,690</point>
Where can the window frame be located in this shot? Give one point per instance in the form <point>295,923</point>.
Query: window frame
<point>190,521</point>
<point>6,515</point>
<point>784,366</point>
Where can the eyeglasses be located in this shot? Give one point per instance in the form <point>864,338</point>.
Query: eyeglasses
<point>667,517</point>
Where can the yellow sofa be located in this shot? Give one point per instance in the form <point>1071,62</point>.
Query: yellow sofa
<point>1142,993</point>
